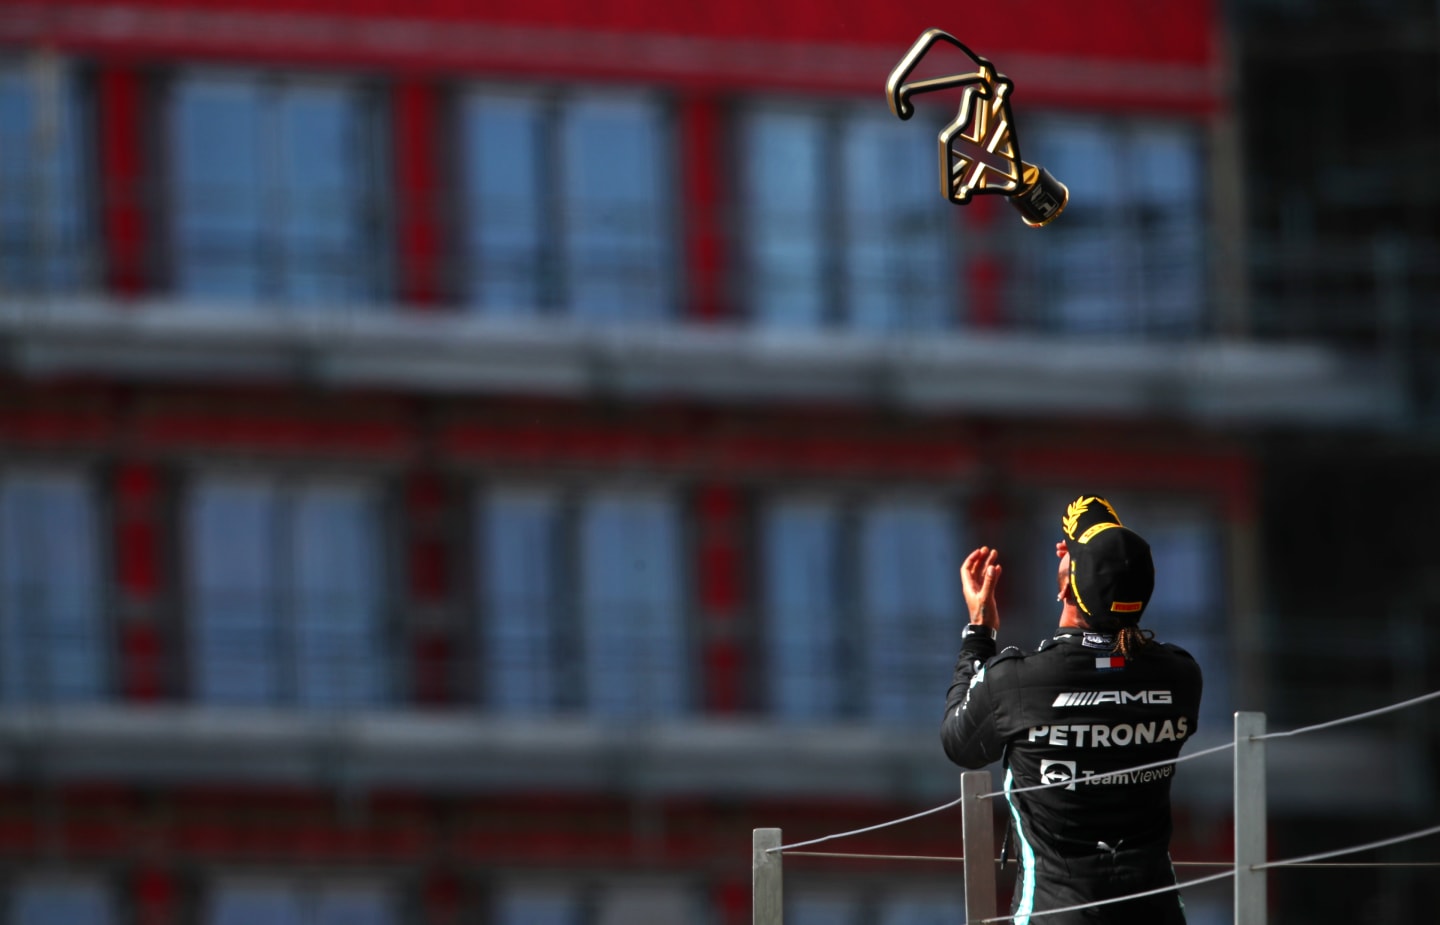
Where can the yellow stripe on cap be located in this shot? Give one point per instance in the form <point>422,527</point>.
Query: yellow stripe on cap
<point>1088,535</point>
<point>1127,606</point>
<point>1073,587</point>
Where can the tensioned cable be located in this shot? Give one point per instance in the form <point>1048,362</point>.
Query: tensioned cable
<point>868,828</point>
<point>985,796</point>
<point>1272,735</point>
<point>1344,865</point>
<point>1434,829</point>
<point>1083,778</point>
<point>1290,862</point>
<point>859,856</point>
<point>1036,913</point>
<point>1355,865</point>
<point>1349,719</point>
<point>1142,767</point>
<point>873,857</point>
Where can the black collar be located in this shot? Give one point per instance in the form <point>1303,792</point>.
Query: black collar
<point>1091,639</point>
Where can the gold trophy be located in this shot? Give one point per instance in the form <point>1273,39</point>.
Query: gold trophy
<point>980,150</point>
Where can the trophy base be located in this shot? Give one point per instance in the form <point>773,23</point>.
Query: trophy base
<point>1041,197</point>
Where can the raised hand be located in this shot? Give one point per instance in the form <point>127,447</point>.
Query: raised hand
<point>978,576</point>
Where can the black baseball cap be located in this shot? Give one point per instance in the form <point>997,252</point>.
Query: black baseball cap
<point>1111,572</point>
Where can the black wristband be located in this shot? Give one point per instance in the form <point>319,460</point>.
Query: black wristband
<point>978,629</point>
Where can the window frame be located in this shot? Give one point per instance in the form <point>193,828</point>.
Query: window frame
<point>1036,281</point>
<point>842,616</point>
<point>596,898</point>
<point>305,890</point>
<point>374,212</point>
<point>102,599</point>
<point>394,673</point>
<point>570,496</point>
<point>558,648</point>
<point>100,881</point>
<point>86,252</point>
<point>834,229</point>
<point>553,262</point>
<point>852,503</point>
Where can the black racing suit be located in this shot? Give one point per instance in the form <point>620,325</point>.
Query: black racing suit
<point>1070,709</point>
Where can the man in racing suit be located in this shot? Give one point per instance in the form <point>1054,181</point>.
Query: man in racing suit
<point>1097,698</point>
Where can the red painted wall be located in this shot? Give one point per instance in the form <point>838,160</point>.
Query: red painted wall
<point>1138,30</point>
<point>1115,54</point>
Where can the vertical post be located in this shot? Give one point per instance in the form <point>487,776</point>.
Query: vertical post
<point>977,819</point>
<point>1250,820</point>
<point>767,908</point>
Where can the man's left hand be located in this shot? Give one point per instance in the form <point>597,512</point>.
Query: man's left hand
<point>978,577</point>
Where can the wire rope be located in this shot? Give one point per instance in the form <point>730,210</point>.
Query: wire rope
<point>1036,913</point>
<point>868,828</point>
<point>1344,865</point>
<point>1303,861</point>
<point>871,857</point>
<point>1323,855</point>
<point>1178,759</point>
<point>1349,719</point>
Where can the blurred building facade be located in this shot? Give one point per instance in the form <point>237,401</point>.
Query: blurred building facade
<point>1343,248</point>
<point>476,465</point>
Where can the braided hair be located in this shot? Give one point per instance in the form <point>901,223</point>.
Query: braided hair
<point>1131,639</point>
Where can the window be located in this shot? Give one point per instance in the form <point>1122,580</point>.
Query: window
<point>654,904</point>
<point>46,233</point>
<point>900,273</point>
<point>566,205</point>
<point>1128,255</point>
<point>60,900</point>
<point>926,906</point>
<point>536,905</point>
<point>502,139</point>
<point>861,607</point>
<point>922,910</point>
<point>581,603</point>
<point>1169,208</point>
<point>844,223</point>
<point>272,193</point>
<point>821,908</point>
<point>1188,606</point>
<point>286,593</point>
<point>619,903</point>
<point>783,157</point>
<point>52,638</point>
<point>614,180</point>
<point>282,902</point>
<point>519,579</point>
<point>242,904</point>
<point>801,549</point>
<point>633,626</point>
<point>912,606</point>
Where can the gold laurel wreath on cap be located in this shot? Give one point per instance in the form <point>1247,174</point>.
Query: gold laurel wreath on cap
<point>1078,507</point>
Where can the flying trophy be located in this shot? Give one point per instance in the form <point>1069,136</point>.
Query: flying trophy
<point>980,150</point>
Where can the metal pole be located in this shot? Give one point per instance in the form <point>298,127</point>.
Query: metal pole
<point>977,821</point>
<point>1250,822</point>
<point>765,881</point>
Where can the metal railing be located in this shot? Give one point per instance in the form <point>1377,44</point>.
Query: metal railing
<point>1248,865</point>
